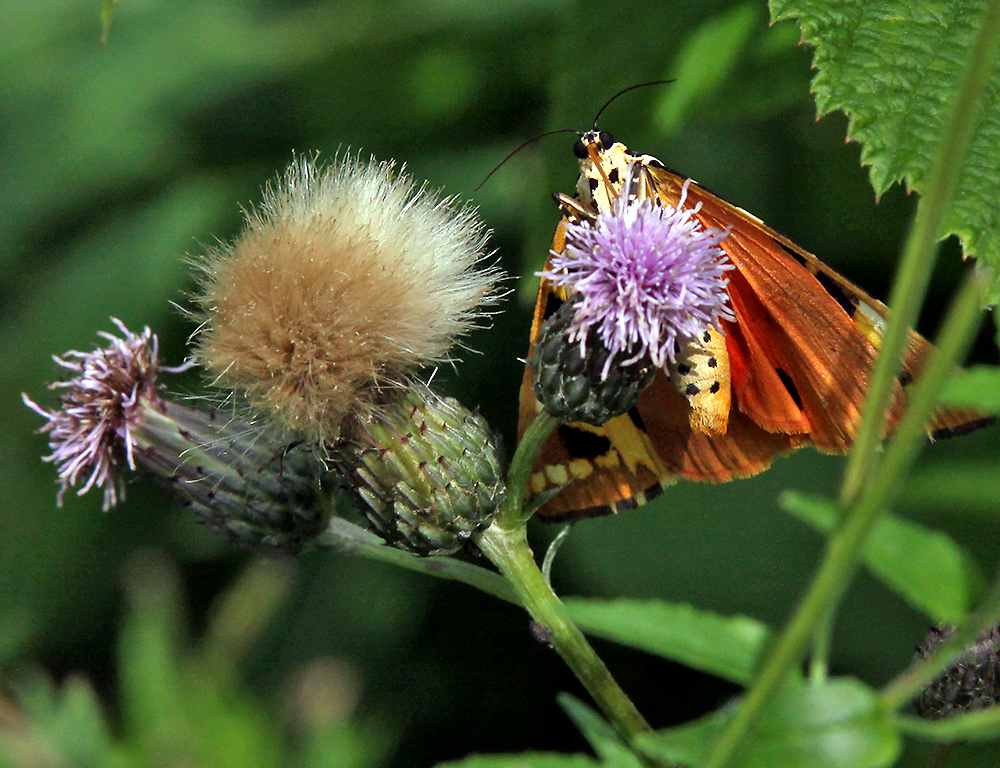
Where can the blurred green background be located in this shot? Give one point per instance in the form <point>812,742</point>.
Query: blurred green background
<point>118,160</point>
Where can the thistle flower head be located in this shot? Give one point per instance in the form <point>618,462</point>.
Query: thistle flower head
<point>647,275</point>
<point>240,479</point>
<point>90,435</point>
<point>344,280</point>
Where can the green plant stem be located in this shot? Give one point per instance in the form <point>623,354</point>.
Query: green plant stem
<point>512,510</point>
<point>910,285</point>
<point>862,498</point>
<point>845,546</point>
<point>819,661</point>
<point>347,538</point>
<point>508,550</point>
<point>911,682</point>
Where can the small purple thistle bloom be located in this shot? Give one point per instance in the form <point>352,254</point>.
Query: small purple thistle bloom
<point>648,276</point>
<point>90,434</point>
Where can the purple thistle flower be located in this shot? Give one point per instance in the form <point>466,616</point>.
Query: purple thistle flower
<point>242,481</point>
<point>648,276</point>
<point>90,435</point>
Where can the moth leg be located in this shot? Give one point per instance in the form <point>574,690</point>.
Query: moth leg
<point>701,374</point>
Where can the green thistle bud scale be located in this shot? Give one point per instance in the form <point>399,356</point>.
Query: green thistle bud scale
<point>424,471</point>
<point>578,383</point>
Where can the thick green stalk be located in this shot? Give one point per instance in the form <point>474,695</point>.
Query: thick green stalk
<point>863,499</point>
<point>509,551</point>
<point>845,546</point>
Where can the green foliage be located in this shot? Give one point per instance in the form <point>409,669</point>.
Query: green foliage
<point>186,703</point>
<point>920,52</point>
<point>727,646</point>
<point>925,567</point>
<point>120,159</point>
<point>837,725</point>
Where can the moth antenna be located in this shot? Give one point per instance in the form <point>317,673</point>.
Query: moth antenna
<point>623,92</point>
<point>519,148</point>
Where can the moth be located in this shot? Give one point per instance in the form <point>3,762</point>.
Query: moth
<point>791,371</point>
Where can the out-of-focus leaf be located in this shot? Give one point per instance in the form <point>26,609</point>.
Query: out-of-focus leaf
<point>840,724</point>
<point>893,67</point>
<point>977,387</point>
<point>107,11</point>
<point>600,735</point>
<point>524,760</point>
<point>705,61</point>
<point>972,486</point>
<point>65,724</point>
<point>925,567</point>
<point>727,646</point>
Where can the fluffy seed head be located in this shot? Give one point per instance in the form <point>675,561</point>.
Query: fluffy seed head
<point>345,279</point>
<point>647,275</point>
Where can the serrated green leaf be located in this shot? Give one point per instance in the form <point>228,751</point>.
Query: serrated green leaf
<point>840,724</point>
<point>727,646</point>
<point>893,67</point>
<point>977,387</point>
<point>599,734</point>
<point>925,567</point>
<point>525,760</point>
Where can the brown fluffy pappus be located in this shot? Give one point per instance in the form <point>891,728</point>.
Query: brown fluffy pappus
<point>344,280</point>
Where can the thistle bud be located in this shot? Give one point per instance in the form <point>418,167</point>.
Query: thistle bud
<point>972,682</point>
<point>240,480</point>
<point>584,382</point>
<point>424,471</point>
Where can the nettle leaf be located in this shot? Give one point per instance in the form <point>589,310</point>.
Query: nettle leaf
<point>893,67</point>
<point>923,566</point>
<point>727,646</point>
<point>839,724</point>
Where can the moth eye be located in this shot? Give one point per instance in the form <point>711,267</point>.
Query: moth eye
<point>580,149</point>
<point>606,139</point>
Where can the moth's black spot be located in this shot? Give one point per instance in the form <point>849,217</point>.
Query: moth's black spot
<point>790,386</point>
<point>592,183</point>
<point>961,429</point>
<point>582,444</point>
<point>905,378</point>
<point>849,304</point>
<point>656,163</point>
<point>580,149</point>
<point>715,387</point>
<point>613,176</point>
<point>632,153</point>
<point>683,369</point>
<point>624,505</point>
<point>692,390</point>
<point>712,362</point>
<point>606,139</point>
<point>791,252</point>
<point>707,337</point>
<point>636,419</point>
<point>653,491</point>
